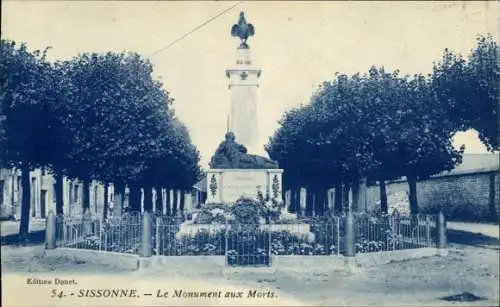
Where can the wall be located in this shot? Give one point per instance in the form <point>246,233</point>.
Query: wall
<point>463,195</point>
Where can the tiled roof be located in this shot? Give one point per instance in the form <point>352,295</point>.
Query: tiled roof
<point>201,185</point>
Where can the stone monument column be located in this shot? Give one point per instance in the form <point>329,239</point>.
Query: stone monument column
<point>243,85</point>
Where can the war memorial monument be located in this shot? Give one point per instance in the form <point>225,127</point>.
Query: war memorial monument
<point>233,171</point>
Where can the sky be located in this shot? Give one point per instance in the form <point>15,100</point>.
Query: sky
<point>297,45</point>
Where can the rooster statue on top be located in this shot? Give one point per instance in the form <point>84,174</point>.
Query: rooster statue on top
<point>243,30</point>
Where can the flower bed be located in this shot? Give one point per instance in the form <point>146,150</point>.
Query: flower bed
<point>245,242</point>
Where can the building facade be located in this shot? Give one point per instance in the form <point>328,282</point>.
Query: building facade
<point>43,196</point>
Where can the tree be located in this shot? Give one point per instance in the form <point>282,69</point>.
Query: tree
<point>26,92</point>
<point>424,145</point>
<point>2,140</point>
<point>377,124</point>
<point>469,89</point>
<point>323,142</point>
<point>176,165</point>
<point>113,115</point>
<point>406,129</point>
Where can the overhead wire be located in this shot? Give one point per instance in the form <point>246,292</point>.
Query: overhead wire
<point>195,29</point>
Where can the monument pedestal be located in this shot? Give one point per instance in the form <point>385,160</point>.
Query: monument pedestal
<point>227,185</point>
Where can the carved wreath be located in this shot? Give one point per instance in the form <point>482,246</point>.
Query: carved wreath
<point>213,185</point>
<point>275,186</point>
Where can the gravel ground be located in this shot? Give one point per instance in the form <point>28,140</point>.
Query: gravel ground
<point>419,282</point>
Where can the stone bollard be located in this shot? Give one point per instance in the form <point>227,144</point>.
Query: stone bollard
<point>350,248</point>
<point>441,230</point>
<point>146,244</point>
<point>50,231</point>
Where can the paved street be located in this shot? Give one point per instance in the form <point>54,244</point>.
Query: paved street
<point>12,227</point>
<point>469,268</point>
<point>489,230</point>
<point>418,282</point>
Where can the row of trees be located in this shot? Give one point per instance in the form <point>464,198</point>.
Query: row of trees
<point>95,117</point>
<point>382,126</point>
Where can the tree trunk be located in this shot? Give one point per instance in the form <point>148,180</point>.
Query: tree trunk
<point>491,198</point>
<point>134,203</point>
<point>345,197</point>
<point>86,195</point>
<point>167,202</point>
<point>291,208</point>
<point>183,199</point>
<point>323,200</point>
<point>159,199</point>
<point>383,197</point>
<point>412,184</point>
<point>337,205</point>
<point>148,199</point>
<point>59,194</point>
<point>105,204</point>
<point>295,200</point>
<point>118,199</point>
<point>309,201</point>
<point>25,204</point>
<point>174,203</point>
<point>317,201</point>
<point>355,195</point>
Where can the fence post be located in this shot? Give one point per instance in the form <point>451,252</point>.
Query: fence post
<point>441,232</point>
<point>50,231</point>
<point>226,241</point>
<point>146,248</point>
<point>337,228</point>
<point>270,254</point>
<point>428,230</point>
<point>101,221</point>
<point>350,249</point>
<point>87,226</point>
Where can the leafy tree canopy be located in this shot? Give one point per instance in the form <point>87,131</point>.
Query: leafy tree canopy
<point>470,87</point>
<point>26,93</point>
<point>114,114</point>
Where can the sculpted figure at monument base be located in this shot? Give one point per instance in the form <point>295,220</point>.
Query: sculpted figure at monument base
<point>230,154</point>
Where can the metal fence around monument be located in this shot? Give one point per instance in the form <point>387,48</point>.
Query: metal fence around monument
<point>115,234</point>
<point>394,232</point>
<point>246,244</point>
